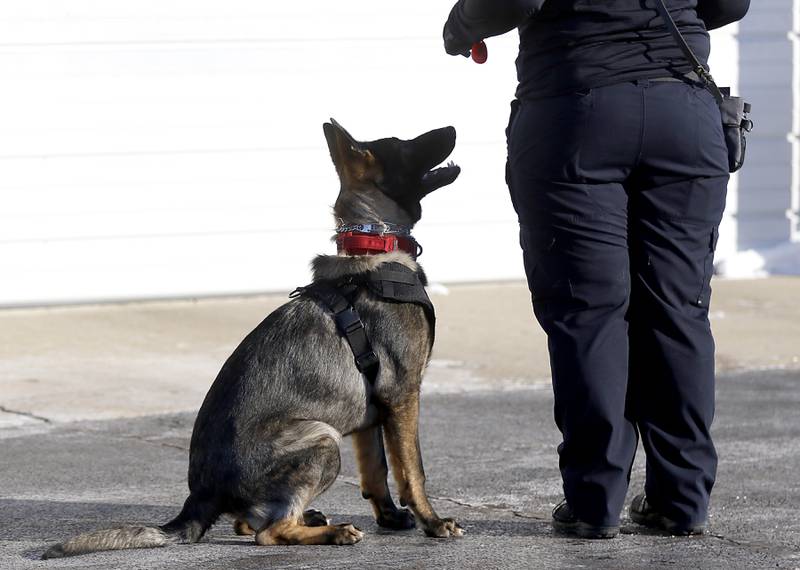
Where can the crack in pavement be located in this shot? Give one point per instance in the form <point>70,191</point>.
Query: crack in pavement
<point>97,431</point>
<point>729,540</point>
<point>155,442</point>
<point>25,414</point>
<point>513,512</point>
<point>777,549</point>
<point>144,439</point>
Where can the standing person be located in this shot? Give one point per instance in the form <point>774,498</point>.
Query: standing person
<point>618,172</point>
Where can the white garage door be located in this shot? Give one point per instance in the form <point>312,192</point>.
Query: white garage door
<point>165,148</point>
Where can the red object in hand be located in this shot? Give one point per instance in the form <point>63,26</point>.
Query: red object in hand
<point>479,52</point>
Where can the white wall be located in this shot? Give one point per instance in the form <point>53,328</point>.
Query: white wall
<point>766,77</point>
<point>174,147</point>
<point>758,58</point>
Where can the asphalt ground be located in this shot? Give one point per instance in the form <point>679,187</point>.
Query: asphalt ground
<point>99,407</point>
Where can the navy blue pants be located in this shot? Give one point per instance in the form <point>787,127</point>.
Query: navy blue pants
<point>619,192</point>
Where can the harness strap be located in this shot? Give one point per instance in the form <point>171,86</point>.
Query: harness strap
<point>339,301</point>
<point>392,282</point>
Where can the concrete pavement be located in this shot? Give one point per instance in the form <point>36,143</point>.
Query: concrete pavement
<point>98,404</point>
<point>96,362</point>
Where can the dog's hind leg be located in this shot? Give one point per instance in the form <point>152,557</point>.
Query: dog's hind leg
<point>290,531</point>
<point>371,458</point>
<point>307,467</point>
<point>402,439</point>
<point>311,517</point>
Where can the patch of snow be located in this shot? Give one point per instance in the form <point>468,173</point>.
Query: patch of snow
<point>455,377</point>
<point>438,289</point>
<point>782,259</point>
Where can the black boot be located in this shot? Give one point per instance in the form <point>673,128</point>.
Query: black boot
<point>565,522</point>
<point>641,512</point>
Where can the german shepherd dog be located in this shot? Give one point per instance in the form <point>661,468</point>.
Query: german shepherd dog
<point>266,440</point>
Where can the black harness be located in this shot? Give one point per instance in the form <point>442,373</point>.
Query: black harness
<point>391,282</point>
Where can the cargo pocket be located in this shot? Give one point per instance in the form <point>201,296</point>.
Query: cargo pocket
<point>547,276</point>
<point>515,104</point>
<point>703,298</point>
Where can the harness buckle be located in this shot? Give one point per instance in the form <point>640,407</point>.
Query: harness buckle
<point>367,360</point>
<point>349,321</point>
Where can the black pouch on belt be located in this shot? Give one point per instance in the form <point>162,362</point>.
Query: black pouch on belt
<point>735,124</point>
<point>735,111</point>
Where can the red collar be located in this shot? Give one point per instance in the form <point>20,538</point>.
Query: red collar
<point>357,243</point>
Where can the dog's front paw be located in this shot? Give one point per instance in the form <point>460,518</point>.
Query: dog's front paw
<point>398,519</point>
<point>443,528</point>
<point>345,534</point>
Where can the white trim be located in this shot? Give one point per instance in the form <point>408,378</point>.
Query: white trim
<point>724,64</point>
<point>794,212</point>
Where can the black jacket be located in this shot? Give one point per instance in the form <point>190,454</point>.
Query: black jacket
<point>573,45</point>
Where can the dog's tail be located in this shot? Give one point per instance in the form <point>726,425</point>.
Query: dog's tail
<point>189,526</point>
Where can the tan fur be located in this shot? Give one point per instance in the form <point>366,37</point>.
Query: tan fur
<point>337,266</point>
<point>372,466</point>
<point>112,539</point>
<point>402,440</point>
<point>289,531</point>
<point>241,528</point>
<point>370,457</point>
<point>354,165</point>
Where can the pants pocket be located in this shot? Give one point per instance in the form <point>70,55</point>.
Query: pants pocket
<point>703,298</point>
<point>515,104</point>
<point>547,276</point>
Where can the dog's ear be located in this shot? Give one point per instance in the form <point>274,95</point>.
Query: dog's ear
<point>354,163</point>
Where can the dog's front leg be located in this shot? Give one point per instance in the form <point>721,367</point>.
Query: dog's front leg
<point>402,439</point>
<point>371,459</point>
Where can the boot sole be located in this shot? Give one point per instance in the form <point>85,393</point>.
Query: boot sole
<point>660,522</point>
<point>585,530</point>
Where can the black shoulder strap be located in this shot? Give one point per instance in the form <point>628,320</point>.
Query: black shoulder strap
<point>698,67</point>
<point>338,299</point>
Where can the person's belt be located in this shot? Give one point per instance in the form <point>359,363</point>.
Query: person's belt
<point>690,77</point>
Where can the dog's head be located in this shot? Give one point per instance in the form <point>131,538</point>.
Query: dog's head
<point>385,180</point>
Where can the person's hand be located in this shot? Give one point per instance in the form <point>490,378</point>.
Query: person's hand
<point>454,46</point>
<point>455,41</point>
